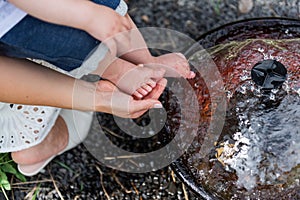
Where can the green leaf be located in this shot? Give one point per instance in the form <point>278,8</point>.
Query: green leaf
<point>3,181</point>
<point>36,192</point>
<point>20,176</point>
<point>2,176</point>
<point>64,166</point>
<point>4,157</point>
<point>5,184</point>
<point>8,168</point>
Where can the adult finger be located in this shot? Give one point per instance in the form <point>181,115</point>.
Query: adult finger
<point>139,107</point>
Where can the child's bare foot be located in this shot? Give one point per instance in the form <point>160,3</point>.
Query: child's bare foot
<point>110,100</point>
<point>175,65</point>
<point>55,142</point>
<point>106,86</point>
<point>132,79</point>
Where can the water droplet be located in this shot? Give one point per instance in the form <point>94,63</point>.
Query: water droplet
<point>228,94</point>
<point>151,132</point>
<point>243,90</point>
<point>244,78</point>
<point>272,97</point>
<point>287,31</point>
<point>298,91</point>
<point>275,91</point>
<point>260,50</point>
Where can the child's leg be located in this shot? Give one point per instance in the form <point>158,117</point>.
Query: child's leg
<point>129,76</point>
<point>175,64</point>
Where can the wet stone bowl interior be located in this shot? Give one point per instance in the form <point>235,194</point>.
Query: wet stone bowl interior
<point>256,155</point>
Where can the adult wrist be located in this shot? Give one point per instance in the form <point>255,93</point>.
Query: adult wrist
<point>83,96</point>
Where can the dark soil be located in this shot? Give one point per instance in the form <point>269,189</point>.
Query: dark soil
<point>77,175</point>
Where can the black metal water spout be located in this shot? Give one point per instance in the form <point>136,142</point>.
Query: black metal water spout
<point>269,74</point>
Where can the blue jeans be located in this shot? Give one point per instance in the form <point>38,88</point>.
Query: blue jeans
<point>61,46</point>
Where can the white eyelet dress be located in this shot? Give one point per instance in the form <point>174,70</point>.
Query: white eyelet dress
<point>24,126</point>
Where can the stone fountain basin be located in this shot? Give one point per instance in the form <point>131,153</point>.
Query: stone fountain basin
<point>256,155</point>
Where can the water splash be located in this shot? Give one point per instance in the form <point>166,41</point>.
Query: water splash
<point>267,144</point>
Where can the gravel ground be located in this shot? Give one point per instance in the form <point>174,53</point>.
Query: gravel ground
<point>77,175</point>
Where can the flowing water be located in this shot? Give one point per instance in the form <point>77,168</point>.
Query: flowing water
<point>256,156</point>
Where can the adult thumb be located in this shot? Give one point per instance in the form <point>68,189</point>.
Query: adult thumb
<point>142,106</point>
<point>147,104</point>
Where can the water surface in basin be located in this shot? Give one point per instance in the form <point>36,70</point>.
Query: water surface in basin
<point>256,155</point>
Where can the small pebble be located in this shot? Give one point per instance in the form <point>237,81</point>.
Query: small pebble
<point>145,18</point>
<point>172,189</point>
<point>245,6</point>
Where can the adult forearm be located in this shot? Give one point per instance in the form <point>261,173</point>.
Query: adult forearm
<point>25,82</point>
